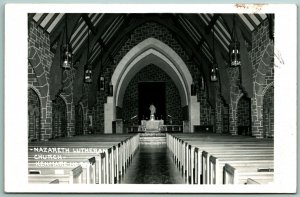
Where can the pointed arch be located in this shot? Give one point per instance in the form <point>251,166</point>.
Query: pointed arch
<point>152,51</point>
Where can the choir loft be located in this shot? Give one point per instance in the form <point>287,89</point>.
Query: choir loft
<point>150,98</point>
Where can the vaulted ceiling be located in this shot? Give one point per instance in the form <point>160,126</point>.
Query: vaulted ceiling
<point>108,32</point>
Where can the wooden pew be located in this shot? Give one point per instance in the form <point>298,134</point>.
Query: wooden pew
<point>48,179</point>
<point>217,164</point>
<point>79,175</point>
<point>249,173</point>
<point>188,150</point>
<point>67,160</point>
<point>112,154</point>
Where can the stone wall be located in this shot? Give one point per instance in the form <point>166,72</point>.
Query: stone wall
<point>40,62</point>
<point>262,62</point>
<point>205,108</point>
<point>152,73</point>
<point>268,113</point>
<point>262,58</point>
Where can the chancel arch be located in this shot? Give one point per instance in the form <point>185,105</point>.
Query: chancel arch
<point>151,51</point>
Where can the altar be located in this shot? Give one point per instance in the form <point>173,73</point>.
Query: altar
<point>151,125</point>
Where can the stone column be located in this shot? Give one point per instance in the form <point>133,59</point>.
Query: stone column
<point>235,93</point>
<point>194,113</point>
<point>108,115</point>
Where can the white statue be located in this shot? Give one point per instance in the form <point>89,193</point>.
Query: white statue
<point>152,111</point>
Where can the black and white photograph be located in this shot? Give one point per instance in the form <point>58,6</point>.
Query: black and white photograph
<point>160,99</point>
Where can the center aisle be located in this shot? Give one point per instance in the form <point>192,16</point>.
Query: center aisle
<point>152,164</point>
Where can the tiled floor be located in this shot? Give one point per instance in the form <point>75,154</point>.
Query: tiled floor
<point>152,164</point>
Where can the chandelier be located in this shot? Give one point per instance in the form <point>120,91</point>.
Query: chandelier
<point>234,48</point>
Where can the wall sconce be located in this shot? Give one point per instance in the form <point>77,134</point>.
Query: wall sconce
<point>102,83</point>
<point>111,89</point>
<point>193,89</point>
<point>202,86</point>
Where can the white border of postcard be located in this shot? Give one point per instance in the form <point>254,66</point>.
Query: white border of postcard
<point>16,51</point>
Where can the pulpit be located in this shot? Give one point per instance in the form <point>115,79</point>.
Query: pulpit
<point>151,125</point>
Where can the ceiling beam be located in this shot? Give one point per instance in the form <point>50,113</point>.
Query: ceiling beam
<point>250,20</point>
<point>207,38</point>
<point>212,23</point>
<point>101,28</point>
<point>94,31</point>
<point>89,23</point>
<point>227,18</point>
<point>50,21</point>
<point>122,32</point>
<point>41,19</point>
<point>61,25</point>
<point>220,59</point>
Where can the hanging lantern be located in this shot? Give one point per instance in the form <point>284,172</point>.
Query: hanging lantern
<point>234,48</point>
<point>213,72</point>
<point>213,75</point>
<point>88,66</point>
<point>235,56</point>
<point>88,74</point>
<point>67,57</point>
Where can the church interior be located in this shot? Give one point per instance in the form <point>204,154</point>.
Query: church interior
<point>137,98</point>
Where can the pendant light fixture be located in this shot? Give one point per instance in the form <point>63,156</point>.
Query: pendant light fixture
<point>234,48</point>
<point>88,66</point>
<point>213,72</point>
<point>67,50</point>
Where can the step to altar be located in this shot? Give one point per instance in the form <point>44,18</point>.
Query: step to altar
<point>152,138</point>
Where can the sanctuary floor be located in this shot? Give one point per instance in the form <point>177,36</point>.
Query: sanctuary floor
<point>152,164</point>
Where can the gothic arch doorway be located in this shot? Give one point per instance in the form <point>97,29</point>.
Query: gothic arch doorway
<point>225,117</point>
<point>59,118</point>
<point>78,120</point>
<point>244,116</point>
<point>34,118</point>
<point>268,113</point>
